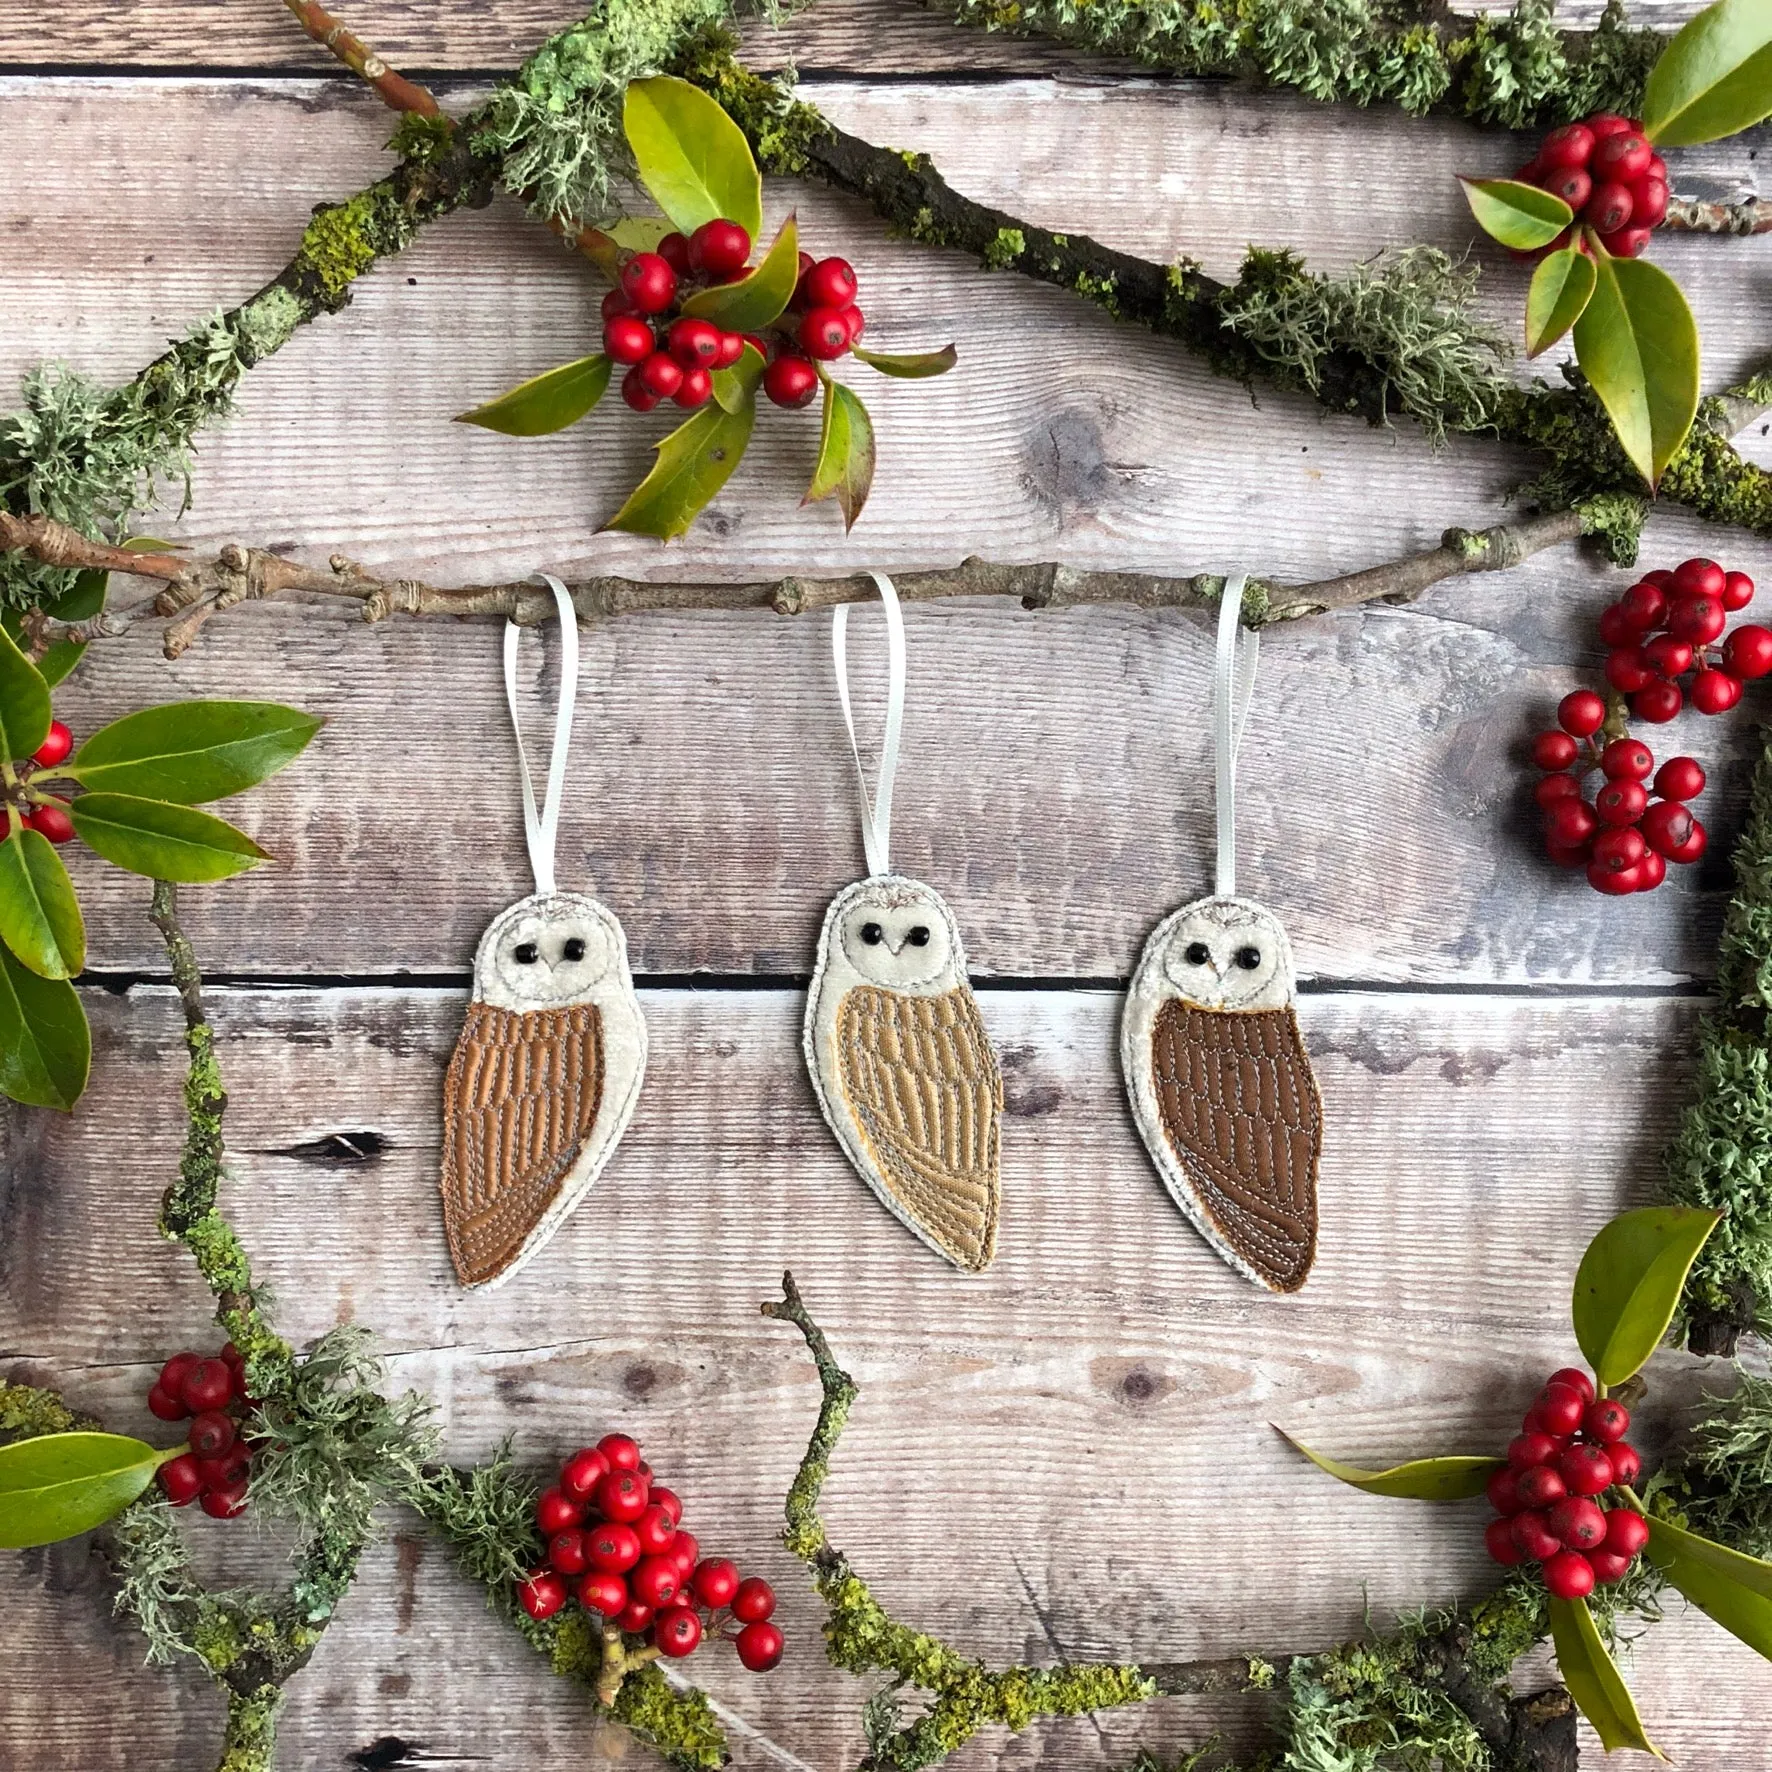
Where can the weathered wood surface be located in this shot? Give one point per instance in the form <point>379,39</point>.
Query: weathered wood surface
<point>1114,1380</point>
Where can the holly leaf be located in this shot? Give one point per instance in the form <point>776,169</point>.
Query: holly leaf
<point>1518,215</point>
<point>845,468</point>
<point>163,841</point>
<point>694,461</point>
<point>545,403</point>
<point>24,701</point>
<point>1637,344</point>
<point>39,914</point>
<point>1593,1679</point>
<point>758,297</point>
<point>735,386</point>
<point>908,365</point>
<point>639,233</point>
<point>1629,1282</point>
<point>691,156</point>
<point>1561,288</point>
<point>1714,78</point>
<point>1733,1589</point>
<point>1422,1479</point>
<point>55,1486</point>
<point>45,1044</point>
<point>191,751</point>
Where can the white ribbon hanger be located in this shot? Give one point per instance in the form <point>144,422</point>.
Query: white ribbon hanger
<point>876,810</point>
<point>541,829</point>
<point>1239,651</point>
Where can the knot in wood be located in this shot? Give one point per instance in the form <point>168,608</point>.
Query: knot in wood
<point>789,597</point>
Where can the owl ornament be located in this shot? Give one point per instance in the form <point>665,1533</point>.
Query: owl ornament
<point>1220,1084</point>
<point>548,1067</point>
<point>899,1058</point>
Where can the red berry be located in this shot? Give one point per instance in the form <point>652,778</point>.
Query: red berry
<point>695,389</point>
<point>661,374</point>
<point>693,342</point>
<point>555,1511</point>
<point>1609,1566</point>
<point>1662,579</point>
<point>1569,1575</point>
<point>1657,702</point>
<point>1569,823</point>
<point>719,249</point>
<point>633,1617</point>
<point>1628,669</point>
<point>208,1384</point>
<point>1693,847</point>
<point>1650,871</point>
<point>1616,849</point>
<point>677,1632</point>
<point>172,1374</point>
<point>1699,619</point>
<point>612,1548</point>
<point>1627,1463</point>
<point>1616,627</point>
<point>649,283</point>
<point>1644,606</point>
<point>627,339</point>
<point>1581,712</point>
<point>1569,146</point>
<point>715,1582</point>
<point>1714,692</point>
<point>759,1646</point>
<point>1541,1486</point>
<point>764,347</point>
<point>1747,653</point>
<point>1586,1470</point>
<point>1503,1491</point>
<point>1614,882</point>
<point>1624,759</point>
<point>166,1406</point>
<point>1533,1537</point>
<point>1608,210</point>
<point>1498,1535</point>
<point>674,250</point>
<point>1667,826</point>
<point>1578,1522</point>
<point>655,1528</point>
<point>731,349</point>
<point>655,1580</point>
<point>1738,590</point>
<point>602,1592</point>
<point>622,1495</point>
<point>230,1471</point>
<point>1631,242</point>
<point>1530,1448</point>
<point>665,1498</point>
<point>1554,750</point>
<point>1648,200</point>
<point>830,284</point>
<point>55,747</point>
<point>579,1474</point>
<point>1680,778</point>
<point>790,381</point>
<point>566,1552</point>
<point>1699,577</point>
<point>1622,156</point>
<point>541,1594</point>
<point>1571,183</point>
<point>1559,1406</point>
<point>1554,788</point>
<point>635,391</point>
<point>1567,858</point>
<point>1604,123</point>
<point>1605,1421</point>
<point>212,1433</point>
<point>1669,656</point>
<point>615,303</point>
<point>179,1480</point>
<point>856,321</point>
<point>1620,802</point>
<point>52,821</point>
<point>754,1601</point>
<point>225,1503</point>
<point>798,303</point>
<point>824,333</point>
<point>1626,1531</point>
<point>685,1551</point>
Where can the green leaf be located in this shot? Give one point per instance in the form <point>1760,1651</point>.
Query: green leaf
<point>757,298</point>
<point>162,841</point>
<point>1593,1679</point>
<point>1518,215</point>
<point>24,701</point>
<point>691,156</point>
<point>45,1044</point>
<point>39,914</point>
<point>1422,1479</point>
<point>1714,78</point>
<point>55,1486</point>
<point>545,403</point>
<point>845,452</point>
<point>1629,1282</point>
<point>640,233</point>
<point>84,598</point>
<point>1637,343</point>
<point>1561,288</point>
<point>1734,1589</point>
<point>694,461</point>
<point>191,751</point>
<point>908,365</point>
<point>736,387</point>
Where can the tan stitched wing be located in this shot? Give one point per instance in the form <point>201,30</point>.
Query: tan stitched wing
<point>520,1099</point>
<point>922,1087</point>
<point>1240,1109</point>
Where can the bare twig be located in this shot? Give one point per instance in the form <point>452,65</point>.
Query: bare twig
<point>397,92</point>
<point>1705,215</point>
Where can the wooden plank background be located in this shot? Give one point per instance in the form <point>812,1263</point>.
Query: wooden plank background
<point>1069,1455</point>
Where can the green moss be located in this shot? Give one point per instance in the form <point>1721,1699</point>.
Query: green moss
<point>681,1725</point>
<point>339,245</point>
<point>251,1741</point>
<point>1005,249</point>
<point>1262,1674</point>
<point>1615,520</point>
<point>27,1412</point>
<point>422,138</point>
<point>217,1639</point>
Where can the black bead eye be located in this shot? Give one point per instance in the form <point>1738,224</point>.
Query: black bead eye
<point>527,953</point>
<point>574,949</point>
<point>872,934</point>
<point>1197,953</point>
<point>1248,958</point>
<point>919,936</point>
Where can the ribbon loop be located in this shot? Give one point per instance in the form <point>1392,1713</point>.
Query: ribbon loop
<point>540,830</point>
<point>1239,651</point>
<point>876,809</point>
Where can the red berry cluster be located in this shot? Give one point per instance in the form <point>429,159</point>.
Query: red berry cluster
<point>616,1533</point>
<point>211,1390</point>
<point>822,321</point>
<point>48,817</point>
<point>1569,1451</point>
<point>1609,175</point>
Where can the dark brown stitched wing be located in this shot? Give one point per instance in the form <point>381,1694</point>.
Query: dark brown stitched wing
<point>521,1097</point>
<point>921,1084</point>
<point>1240,1108</point>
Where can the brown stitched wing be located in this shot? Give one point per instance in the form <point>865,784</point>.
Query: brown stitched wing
<point>521,1097</point>
<point>922,1086</point>
<point>1240,1108</point>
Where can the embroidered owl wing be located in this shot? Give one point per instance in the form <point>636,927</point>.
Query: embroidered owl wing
<point>921,1084</point>
<point>519,1102</point>
<point>1240,1110</point>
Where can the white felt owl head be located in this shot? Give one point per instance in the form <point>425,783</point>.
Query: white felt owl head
<point>897,933</point>
<point>550,951</point>
<point>1227,953</point>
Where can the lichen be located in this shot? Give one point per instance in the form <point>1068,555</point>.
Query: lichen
<point>1005,248</point>
<point>339,245</point>
<point>423,137</point>
<point>27,1412</point>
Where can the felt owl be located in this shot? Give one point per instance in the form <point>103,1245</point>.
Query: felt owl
<point>543,1081</point>
<point>902,1066</point>
<point>1221,1086</point>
